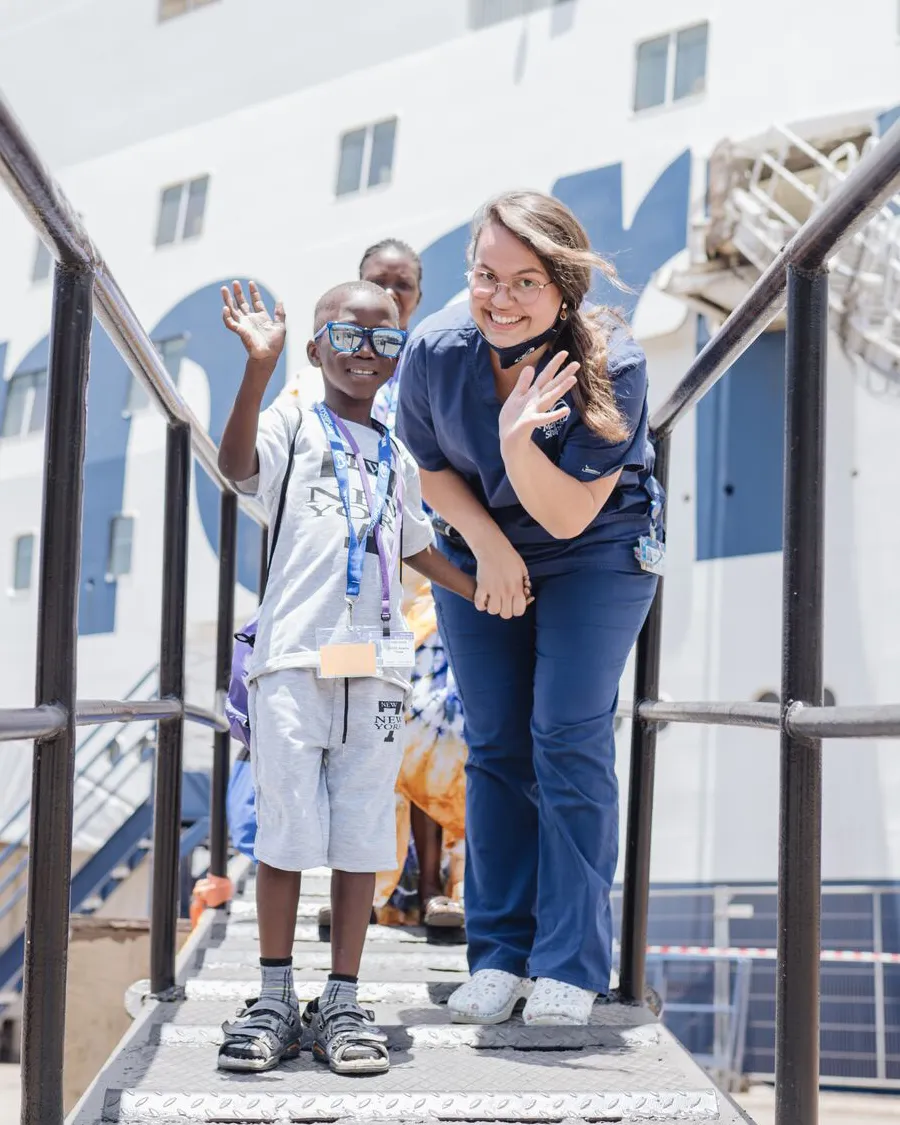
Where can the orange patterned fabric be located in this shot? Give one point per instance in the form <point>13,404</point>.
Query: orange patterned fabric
<point>432,774</point>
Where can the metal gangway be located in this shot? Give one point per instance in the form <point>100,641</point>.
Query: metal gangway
<point>624,1066</point>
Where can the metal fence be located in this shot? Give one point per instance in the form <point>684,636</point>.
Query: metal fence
<point>83,286</point>
<point>702,929</point>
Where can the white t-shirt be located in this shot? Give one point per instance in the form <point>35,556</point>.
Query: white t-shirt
<point>306,385</point>
<point>307,587</point>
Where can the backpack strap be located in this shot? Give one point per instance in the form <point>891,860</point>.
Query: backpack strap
<point>276,527</point>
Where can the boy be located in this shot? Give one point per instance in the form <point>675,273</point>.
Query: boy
<point>325,712</point>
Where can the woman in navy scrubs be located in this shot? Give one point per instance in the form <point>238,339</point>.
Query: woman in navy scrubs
<point>527,414</point>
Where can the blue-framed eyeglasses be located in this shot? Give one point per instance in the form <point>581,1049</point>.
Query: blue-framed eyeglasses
<point>349,338</point>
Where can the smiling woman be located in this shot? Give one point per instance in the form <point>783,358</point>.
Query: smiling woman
<point>527,414</point>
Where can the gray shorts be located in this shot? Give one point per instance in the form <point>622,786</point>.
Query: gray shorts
<point>325,757</point>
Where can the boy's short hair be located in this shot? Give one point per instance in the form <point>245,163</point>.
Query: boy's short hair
<point>329,303</point>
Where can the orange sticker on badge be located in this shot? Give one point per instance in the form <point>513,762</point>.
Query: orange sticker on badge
<point>348,659</point>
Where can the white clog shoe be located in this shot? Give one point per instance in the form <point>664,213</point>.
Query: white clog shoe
<point>491,996</point>
<point>553,1004</point>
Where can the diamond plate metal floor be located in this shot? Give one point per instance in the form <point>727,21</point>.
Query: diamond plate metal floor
<point>623,1067</point>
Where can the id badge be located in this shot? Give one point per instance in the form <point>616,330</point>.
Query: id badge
<point>347,651</point>
<point>398,651</point>
<point>651,554</point>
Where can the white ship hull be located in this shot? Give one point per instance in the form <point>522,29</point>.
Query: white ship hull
<point>543,101</point>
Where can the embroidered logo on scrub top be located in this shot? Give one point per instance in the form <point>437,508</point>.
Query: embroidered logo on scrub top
<point>553,428</point>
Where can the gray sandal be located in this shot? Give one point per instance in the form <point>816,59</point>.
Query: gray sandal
<point>346,1039</point>
<point>443,913</point>
<point>265,1033</point>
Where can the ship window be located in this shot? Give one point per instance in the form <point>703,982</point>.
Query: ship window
<point>690,61</point>
<point>43,263</point>
<point>366,157</point>
<point>181,210</point>
<point>195,207</point>
<point>171,351</point>
<point>650,80</point>
<point>121,534</point>
<point>23,555</point>
<point>26,404</point>
<point>483,13</point>
<point>382,160</point>
<point>670,67</point>
<point>168,9</point>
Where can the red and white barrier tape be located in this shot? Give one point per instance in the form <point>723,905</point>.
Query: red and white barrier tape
<point>854,956</point>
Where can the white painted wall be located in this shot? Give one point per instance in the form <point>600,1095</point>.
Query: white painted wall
<point>517,104</point>
<point>134,77</point>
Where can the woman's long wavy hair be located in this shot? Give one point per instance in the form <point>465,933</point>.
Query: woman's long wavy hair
<point>549,228</point>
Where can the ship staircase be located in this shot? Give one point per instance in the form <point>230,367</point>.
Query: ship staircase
<point>112,822</point>
<point>624,1066</point>
<point>760,193</point>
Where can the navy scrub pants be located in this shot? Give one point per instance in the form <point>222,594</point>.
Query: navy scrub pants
<point>542,804</point>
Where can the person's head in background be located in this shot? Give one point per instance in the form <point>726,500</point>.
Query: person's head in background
<point>396,267</point>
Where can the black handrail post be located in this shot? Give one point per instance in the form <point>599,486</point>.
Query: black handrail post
<point>218,823</point>
<point>263,562</point>
<point>800,806</point>
<point>636,886</point>
<point>167,790</point>
<point>50,847</point>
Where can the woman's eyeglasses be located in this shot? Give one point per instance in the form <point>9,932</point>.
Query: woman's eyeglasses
<point>524,290</point>
<point>349,338</point>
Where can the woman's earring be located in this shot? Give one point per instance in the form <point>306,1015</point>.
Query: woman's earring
<point>564,312</point>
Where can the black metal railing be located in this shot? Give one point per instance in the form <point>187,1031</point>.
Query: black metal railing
<point>81,280</point>
<point>799,277</point>
<point>83,287</point>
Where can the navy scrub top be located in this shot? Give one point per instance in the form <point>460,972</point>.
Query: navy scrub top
<point>448,415</point>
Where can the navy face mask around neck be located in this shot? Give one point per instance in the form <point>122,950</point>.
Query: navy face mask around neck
<point>515,353</point>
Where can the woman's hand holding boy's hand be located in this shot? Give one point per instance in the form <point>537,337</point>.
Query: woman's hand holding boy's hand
<point>262,335</point>
<point>503,584</point>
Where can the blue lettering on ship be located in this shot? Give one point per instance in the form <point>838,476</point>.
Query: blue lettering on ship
<point>657,232</point>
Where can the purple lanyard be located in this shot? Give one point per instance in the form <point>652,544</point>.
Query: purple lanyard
<point>386,566</point>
